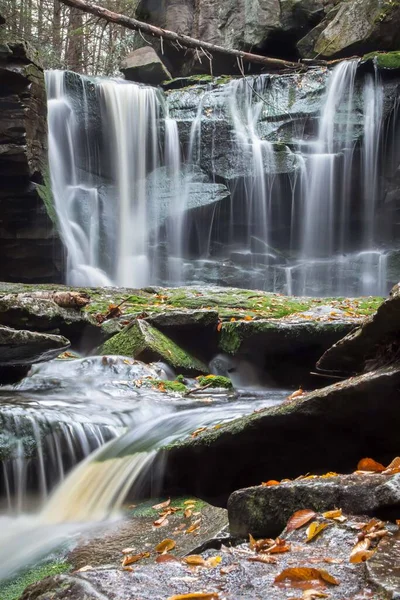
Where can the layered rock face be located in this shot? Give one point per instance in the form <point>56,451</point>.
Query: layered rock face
<point>29,244</point>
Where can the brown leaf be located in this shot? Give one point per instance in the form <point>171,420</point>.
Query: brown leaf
<point>333,561</point>
<point>195,559</point>
<point>300,518</point>
<point>361,552</point>
<point>398,522</point>
<point>369,464</point>
<point>84,569</point>
<point>296,394</point>
<point>165,546</point>
<point>166,558</point>
<point>213,561</point>
<point>305,574</point>
<point>263,558</point>
<point>133,558</point>
<point>188,513</point>
<point>315,529</point>
<point>258,545</point>
<point>219,326</point>
<point>394,467</point>
<point>194,526</point>
<point>312,594</point>
<point>194,595</point>
<point>332,514</point>
<point>161,522</point>
<point>189,502</point>
<point>279,547</point>
<point>270,483</point>
<point>128,550</point>
<point>162,505</point>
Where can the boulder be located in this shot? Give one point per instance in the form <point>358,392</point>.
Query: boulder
<point>264,510</point>
<point>19,347</point>
<point>375,342</point>
<point>143,65</point>
<point>358,26</point>
<point>384,567</point>
<point>295,438</point>
<point>144,342</point>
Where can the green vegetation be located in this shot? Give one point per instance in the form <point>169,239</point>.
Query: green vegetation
<point>145,509</point>
<point>14,588</point>
<point>384,60</point>
<point>215,381</point>
<point>166,385</point>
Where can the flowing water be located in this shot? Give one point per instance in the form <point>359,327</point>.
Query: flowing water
<point>95,417</point>
<point>252,182</point>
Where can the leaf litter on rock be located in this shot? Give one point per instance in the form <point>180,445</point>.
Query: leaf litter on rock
<point>296,574</point>
<point>299,519</point>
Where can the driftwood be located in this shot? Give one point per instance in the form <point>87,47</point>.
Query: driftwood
<point>180,40</point>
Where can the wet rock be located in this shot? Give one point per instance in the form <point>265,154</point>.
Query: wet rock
<point>144,342</point>
<point>264,511</point>
<point>298,437</point>
<point>143,65</point>
<point>137,532</point>
<point>19,347</point>
<point>374,343</point>
<point>384,567</point>
<point>238,575</point>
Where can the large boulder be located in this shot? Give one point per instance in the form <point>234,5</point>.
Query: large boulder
<point>29,243</point>
<point>143,65</point>
<point>292,439</point>
<point>374,343</point>
<point>19,347</point>
<point>264,510</point>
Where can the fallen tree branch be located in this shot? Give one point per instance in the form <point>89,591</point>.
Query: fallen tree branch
<point>184,40</point>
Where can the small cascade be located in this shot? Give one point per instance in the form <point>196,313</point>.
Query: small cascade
<point>261,182</point>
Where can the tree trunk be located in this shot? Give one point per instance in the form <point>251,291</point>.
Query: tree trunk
<point>74,51</point>
<point>180,40</point>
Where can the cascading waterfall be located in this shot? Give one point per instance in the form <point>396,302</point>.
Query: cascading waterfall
<point>129,167</point>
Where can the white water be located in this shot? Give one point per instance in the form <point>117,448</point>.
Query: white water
<point>126,221</point>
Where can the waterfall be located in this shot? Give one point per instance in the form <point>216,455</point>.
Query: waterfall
<point>224,184</point>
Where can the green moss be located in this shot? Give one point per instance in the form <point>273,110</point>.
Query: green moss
<point>386,9</point>
<point>292,96</point>
<point>169,386</point>
<point>145,509</point>
<point>44,191</point>
<point>14,588</point>
<point>215,381</point>
<point>384,60</point>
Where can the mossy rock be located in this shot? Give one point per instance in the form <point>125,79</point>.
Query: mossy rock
<point>13,588</point>
<point>384,60</point>
<point>144,342</point>
<point>166,385</point>
<point>215,381</point>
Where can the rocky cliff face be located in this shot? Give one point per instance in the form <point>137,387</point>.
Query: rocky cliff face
<point>29,244</point>
<point>285,28</point>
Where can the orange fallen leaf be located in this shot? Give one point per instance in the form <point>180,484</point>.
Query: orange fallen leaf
<point>369,464</point>
<point>194,526</point>
<point>195,560</point>
<point>193,595</point>
<point>189,502</point>
<point>315,529</point>
<point>300,518</point>
<point>270,483</point>
<point>84,569</point>
<point>166,558</point>
<point>312,594</point>
<point>161,522</point>
<point>187,513</point>
<point>394,467</point>
<point>269,560</point>
<point>261,544</point>
<point>361,552</point>
<point>133,558</point>
<point>333,561</point>
<point>233,319</point>
<point>296,394</point>
<point>305,574</point>
<point>332,514</point>
<point>228,569</point>
<point>162,505</point>
<point>219,326</point>
<point>398,522</point>
<point>165,546</point>
<point>279,547</point>
<point>213,561</point>
<point>248,318</point>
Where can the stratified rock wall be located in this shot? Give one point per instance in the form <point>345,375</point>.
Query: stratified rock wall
<point>29,245</point>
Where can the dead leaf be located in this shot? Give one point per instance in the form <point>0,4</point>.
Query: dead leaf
<point>279,547</point>
<point>166,558</point>
<point>228,569</point>
<point>84,569</point>
<point>219,326</point>
<point>305,574</point>
<point>194,526</point>
<point>161,522</point>
<point>315,529</point>
<point>213,561</point>
<point>188,513</point>
<point>333,561</point>
<point>398,522</point>
<point>162,505</point>
<point>332,514</point>
<point>369,464</point>
<point>165,546</point>
<point>296,394</point>
<point>198,595</point>
<point>300,518</point>
<point>361,552</point>
<point>269,560</point>
<point>270,483</point>
<point>248,318</point>
<point>128,550</point>
<point>394,467</point>
<point>195,560</point>
<point>189,502</point>
<point>312,594</point>
<point>261,544</point>
<point>133,558</point>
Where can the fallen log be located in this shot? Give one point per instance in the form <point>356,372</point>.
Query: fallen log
<point>179,39</point>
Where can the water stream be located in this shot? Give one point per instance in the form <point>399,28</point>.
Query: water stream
<point>259,182</point>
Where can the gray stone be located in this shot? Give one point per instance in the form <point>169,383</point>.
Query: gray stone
<point>264,511</point>
<point>19,347</point>
<point>370,344</point>
<point>143,65</point>
<point>384,567</point>
<point>184,318</point>
<point>297,437</point>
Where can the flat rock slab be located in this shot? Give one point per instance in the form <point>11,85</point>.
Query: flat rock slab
<point>144,342</point>
<point>384,567</point>
<point>245,579</point>
<point>353,353</point>
<point>139,533</point>
<point>19,347</point>
<point>263,511</point>
<point>326,430</point>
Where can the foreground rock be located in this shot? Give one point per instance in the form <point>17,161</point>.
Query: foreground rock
<point>143,65</point>
<point>240,572</point>
<point>264,510</point>
<point>325,430</point>
<point>373,344</point>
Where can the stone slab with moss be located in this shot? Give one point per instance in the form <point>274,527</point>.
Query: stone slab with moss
<point>13,588</point>
<point>384,60</point>
<point>144,342</point>
<point>297,437</point>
